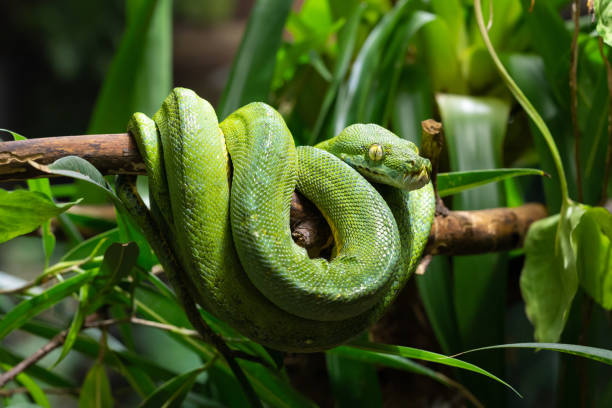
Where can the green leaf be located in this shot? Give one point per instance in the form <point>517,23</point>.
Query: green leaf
<point>35,370</point>
<point>413,103</point>
<point>173,392</point>
<point>352,102</point>
<point>417,354</point>
<point>455,182</point>
<point>387,360</point>
<point>592,238</point>
<point>81,169</point>
<point>603,14</point>
<point>353,382</point>
<point>436,291</point>
<point>346,44</point>
<point>592,353</point>
<point>140,75</point>
<point>253,67</point>
<point>119,259</point>
<point>29,308</point>
<point>37,394</point>
<point>23,211</point>
<point>96,391</point>
<point>475,128</point>
<point>378,106</point>
<point>548,282</point>
<point>85,248</point>
<point>77,322</point>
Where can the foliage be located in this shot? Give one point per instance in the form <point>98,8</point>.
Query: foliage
<point>364,61</point>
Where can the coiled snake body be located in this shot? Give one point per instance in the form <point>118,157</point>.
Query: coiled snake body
<point>227,222</point>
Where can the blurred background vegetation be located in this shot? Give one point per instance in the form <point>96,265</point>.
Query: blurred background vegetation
<point>341,62</point>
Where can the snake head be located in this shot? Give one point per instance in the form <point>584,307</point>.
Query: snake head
<point>380,156</point>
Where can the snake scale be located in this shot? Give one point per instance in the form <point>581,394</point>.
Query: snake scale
<point>227,221</point>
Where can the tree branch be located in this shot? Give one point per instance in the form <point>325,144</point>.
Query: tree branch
<point>453,233</point>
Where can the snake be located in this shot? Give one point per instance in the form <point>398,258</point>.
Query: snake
<point>218,216</point>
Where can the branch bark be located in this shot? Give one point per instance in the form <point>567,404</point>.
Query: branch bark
<point>453,233</point>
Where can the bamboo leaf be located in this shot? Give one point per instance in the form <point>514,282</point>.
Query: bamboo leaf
<point>173,392</point>
<point>37,394</point>
<point>29,308</point>
<point>455,182</point>
<point>96,391</point>
<point>22,211</point>
<point>77,323</point>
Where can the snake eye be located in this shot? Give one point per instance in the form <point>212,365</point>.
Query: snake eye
<point>375,152</point>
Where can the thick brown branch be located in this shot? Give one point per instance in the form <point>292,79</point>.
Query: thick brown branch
<point>456,233</point>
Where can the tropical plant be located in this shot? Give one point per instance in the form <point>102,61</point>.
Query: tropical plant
<point>516,86</point>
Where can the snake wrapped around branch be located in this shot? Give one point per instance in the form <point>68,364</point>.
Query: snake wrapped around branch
<point>220,196</point>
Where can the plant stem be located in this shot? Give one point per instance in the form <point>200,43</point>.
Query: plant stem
<point>573,83</point>
<point>604,187</point>
<point>524,102</point>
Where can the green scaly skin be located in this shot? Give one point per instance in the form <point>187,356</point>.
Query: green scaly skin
<point>281,298</point>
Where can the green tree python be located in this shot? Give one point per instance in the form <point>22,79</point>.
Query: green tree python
<point>226,222</point>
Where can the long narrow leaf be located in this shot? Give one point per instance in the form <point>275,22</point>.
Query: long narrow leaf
<point>140,75</point>
<point>455,182</point>
<point>253,68</point>
<point>592,353</point>
<point>417,354</point>
<point>29,308</point>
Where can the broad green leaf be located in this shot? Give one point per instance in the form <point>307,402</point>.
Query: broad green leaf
<point>592,353</point>
<point>548,283</point>
<point>29,308</point>
<point>603,14</point>
<point>37,394</point>
<point>140,75</point>
<point>417,354</point>
<point>22,211</point>
<point>592,238</point>
<point>455,182</point>
<point>96,391</point>
<point>41,185</point>
<point>81,169</point>
<point>173,392</point>
<point>253,68</point>
<point>119,259</point>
